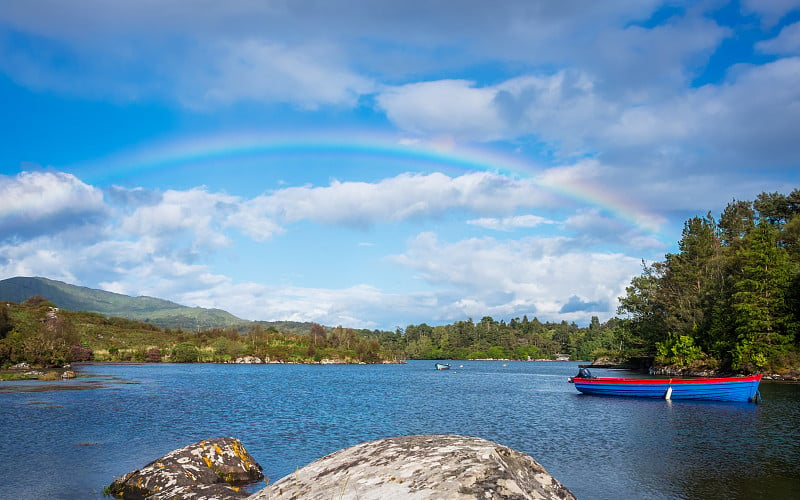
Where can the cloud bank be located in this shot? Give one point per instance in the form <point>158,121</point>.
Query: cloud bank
<point>161,243</point>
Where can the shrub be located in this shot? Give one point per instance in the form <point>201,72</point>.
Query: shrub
<point>81,353</point>
<point>185,352</point>
<point>226,347</point>
<point>678,350</point>
<point>153,355</point>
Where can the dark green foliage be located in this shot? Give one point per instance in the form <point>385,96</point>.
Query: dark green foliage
<point>773,208</point>
<point>185,352</point>
<point>41,335</point>
<point>517,339</point>
<point>736,221</point>
<point>678,350</point>
<point>5,321</point>
<point>731,295</point>
<point>759,298</point>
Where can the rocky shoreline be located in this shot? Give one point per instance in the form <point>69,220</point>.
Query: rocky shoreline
<point>24,371</point>
<point>791,376</point>
<point>255,360</point>
<point>674,371</point>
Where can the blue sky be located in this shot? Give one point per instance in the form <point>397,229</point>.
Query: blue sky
<point>379,163</point>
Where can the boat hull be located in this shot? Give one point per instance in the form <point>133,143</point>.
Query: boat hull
<point>717,389</point>
<point>442,366</point>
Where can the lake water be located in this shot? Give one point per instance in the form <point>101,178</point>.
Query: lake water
<point>68,444</point>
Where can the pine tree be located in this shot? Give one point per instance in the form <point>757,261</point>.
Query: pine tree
<point>759,298</point>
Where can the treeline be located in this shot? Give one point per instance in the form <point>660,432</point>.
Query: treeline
<point>730,297</point>
<point>521,339</point>
<point>38,333</point>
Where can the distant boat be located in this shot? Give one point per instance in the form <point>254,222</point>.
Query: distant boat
<point>718,389</point>
<point>442,366</point>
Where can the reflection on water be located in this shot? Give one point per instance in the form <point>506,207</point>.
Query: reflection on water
<point>69,444</point>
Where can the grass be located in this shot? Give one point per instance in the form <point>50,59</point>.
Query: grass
<point>15,375</point>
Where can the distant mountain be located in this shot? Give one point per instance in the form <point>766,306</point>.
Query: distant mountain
<point>159,312</point>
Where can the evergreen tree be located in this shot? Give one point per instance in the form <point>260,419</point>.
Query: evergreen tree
<point>773,207</point>
<point>736,221</point>
<point>690,282</point>
<point>759,298</point>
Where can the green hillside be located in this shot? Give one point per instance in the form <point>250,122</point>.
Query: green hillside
<point>158,312</point>
<point>46,337</point>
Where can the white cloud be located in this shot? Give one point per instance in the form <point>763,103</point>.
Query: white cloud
<point>723,116</point>
<point>310,76</point>
<point>519,277</point>
<point>591,228</point>
<point>771,11</point>
<point>46,202</point>
<point>399,198</point>
<point>510,223</point>
<point>786,43</point>
<point>195,212</point>
<point>560,108</point>
<point>712,125</point>
<point>40,256</point>
<point>359,306</point>
<point>450,107</point>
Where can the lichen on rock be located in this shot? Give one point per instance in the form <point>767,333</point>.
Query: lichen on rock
<point>420,467</point>
<point>208,469</point>
<point>409,467</point>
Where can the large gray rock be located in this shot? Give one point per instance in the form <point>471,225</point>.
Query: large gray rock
<point>420,467</point>
<point>204,470</point>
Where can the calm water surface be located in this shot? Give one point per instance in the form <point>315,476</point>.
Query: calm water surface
<point>65,444</point>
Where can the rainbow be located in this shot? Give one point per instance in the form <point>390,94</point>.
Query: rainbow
<point>442,156</point>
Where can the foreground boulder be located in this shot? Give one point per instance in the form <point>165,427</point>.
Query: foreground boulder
<point>420,467</point>
<point>204,470</point>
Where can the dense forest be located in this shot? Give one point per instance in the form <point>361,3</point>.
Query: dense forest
<point>728,300</point>
<point>517,339</point>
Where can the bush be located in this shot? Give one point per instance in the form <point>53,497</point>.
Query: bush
<point>225,347</point>
<point>749,356</point>
<point>678,350</point>
<point>153,355</point>
<point>81,353</point>
<point>185,352</point>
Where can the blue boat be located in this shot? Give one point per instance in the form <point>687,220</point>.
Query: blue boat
<point>717,389</point>
<point>442,366</point>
